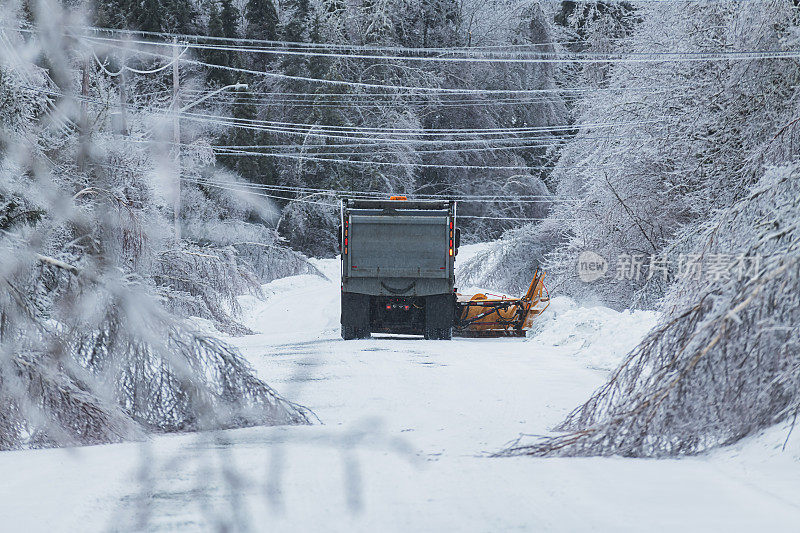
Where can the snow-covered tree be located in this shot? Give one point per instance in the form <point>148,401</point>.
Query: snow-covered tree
<point>94,341</point>
<point>703,165</point>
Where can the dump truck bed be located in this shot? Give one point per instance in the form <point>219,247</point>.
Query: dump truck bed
<point>397,247</point>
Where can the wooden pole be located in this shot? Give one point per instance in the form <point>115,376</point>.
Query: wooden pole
<point>83,142</point>
<point>176,106</point>
<point>123,96</point>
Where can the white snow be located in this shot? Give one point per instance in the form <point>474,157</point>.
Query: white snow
<point>599,335</point>
<point>406,427</point>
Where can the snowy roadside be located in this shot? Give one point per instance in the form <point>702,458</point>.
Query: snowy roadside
<point>406,427</point>
<point>599,336</point>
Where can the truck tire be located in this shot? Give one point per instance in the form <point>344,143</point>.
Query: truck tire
<point>430,333</point>
<point>348,332</point>
<point>443,334</point>
<point>351,332</point>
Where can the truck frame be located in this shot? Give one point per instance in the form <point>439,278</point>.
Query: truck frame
<point>398,267</point>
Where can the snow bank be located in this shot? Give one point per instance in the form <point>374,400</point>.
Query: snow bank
<point>600,335</point>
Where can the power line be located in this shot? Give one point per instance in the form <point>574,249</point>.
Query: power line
<point>376,163</point>
<point>348,96</point>
<point>534,56</point>
<point>521,198</point>
<point>342,193</point>
<point>125,68</point>
<point>367,85</point>
<point>289,189</point>
<point>360,133</point>
<point>292,45</point>
<point>383,141</point>
<point>539,57</point>
<point>357,136</point>
<point>334,205</point>
<point>517,142</point>
<point>243,188</point>
<point>376,152</point>
<point>573,92</point>
<point>317,129</point>
<point>371,130</point>
<point>211,184</point>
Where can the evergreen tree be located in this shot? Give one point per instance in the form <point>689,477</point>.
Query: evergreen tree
<point>182,17</point>
<point>217,57</point>
<point>580,16</point>
<point>296,30</point>
<point>428,23</point>
<point>111,13</point>
<point>148,16</point>
<point>334,6</point>
<point>229,16</point>
<point>176,16</point>
<point>439,21</point>
<point>262,24</point>
<point>317,66</point>
<point>254,169</point>
<point>262,20</point>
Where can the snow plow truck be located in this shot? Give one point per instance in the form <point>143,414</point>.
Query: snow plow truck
<point>398,275</point>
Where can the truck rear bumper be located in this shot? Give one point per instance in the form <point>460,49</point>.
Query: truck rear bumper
<point>399,314</point>
<point>397,286</point>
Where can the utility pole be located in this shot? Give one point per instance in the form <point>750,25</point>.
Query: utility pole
<point>83,143</point>
<point>176,124</point>
<point>122,128</point>
<point>176,128</point>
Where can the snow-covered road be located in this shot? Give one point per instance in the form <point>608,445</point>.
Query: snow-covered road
<point>407,424</point>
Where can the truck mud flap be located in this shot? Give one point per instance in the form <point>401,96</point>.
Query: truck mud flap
<point>355,315</point>
<point>439,316</point>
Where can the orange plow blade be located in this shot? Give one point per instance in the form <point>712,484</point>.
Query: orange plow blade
<point>479,315</point>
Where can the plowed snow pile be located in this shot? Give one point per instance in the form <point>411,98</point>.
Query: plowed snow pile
<point>598,335</point>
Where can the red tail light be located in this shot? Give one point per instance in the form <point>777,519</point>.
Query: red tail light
<point>451,239</point>
<point>388,306</point>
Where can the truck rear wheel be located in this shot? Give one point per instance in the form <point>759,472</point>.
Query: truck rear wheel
<point>352,332</point>
<point>348,332</point>
<point>430,333</point>
<point>444,334</point>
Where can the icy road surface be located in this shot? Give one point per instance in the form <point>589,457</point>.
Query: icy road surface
<point>407,424</point>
